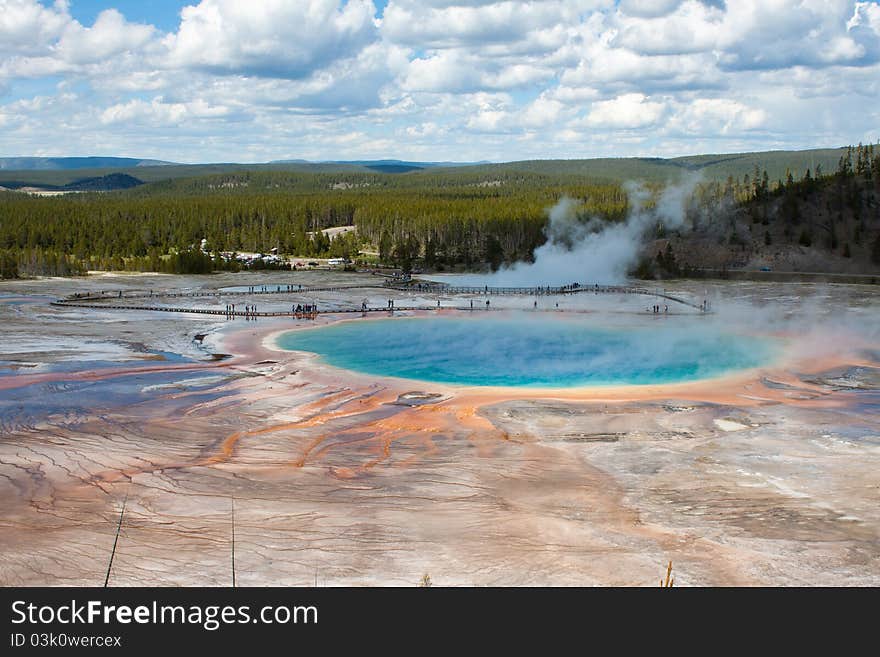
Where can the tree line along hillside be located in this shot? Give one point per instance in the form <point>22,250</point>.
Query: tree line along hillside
<point>816,222</point>
<point>439,218</point>
<point>710,167</point>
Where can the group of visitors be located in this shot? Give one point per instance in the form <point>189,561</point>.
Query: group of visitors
<point>250,312</point>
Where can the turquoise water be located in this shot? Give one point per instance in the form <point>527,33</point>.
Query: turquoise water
<point>530,351</point>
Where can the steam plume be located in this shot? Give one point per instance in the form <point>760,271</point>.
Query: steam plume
<point>596,251</point>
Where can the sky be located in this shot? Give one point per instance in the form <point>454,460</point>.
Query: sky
<point>435,80</point>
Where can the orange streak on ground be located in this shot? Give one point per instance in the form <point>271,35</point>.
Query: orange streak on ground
<point>228,446</point>
<point>461,410</point>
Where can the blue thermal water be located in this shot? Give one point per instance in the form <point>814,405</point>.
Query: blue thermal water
<point>13,368</point>
<point>526,351</point>
<point>30,404</point>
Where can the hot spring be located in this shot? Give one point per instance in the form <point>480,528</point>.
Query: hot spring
<point>524,351</point>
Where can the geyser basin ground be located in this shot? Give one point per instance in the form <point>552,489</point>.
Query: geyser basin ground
<point>750,480</point>
<point>527,351</point>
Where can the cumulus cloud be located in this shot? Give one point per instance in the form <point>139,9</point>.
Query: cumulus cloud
<point>446,79</point>
<point>158,112</point>
<point>717,115</point>
<point>421,25</point>
<point>543,111</point>
<point>755,34</point>
<point>271,38</point>
<point>110,35</point>
<point>451,71</point>
<point>29,28</point>
<point>648,8</point>
<point>628,111</point>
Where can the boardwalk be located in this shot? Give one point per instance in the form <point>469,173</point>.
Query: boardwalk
<point>487,290</point>
<point>416,287</point>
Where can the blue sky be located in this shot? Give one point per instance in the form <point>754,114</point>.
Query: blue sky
<point>221,80</point>
<point>164,14</point>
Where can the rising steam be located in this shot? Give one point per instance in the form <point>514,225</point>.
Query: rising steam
<point>592,250</point>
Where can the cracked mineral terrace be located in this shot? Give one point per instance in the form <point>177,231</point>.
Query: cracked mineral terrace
<point>769,476</point>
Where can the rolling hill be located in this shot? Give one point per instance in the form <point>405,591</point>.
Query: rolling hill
<point>58,172</point>
<point>67,163</point>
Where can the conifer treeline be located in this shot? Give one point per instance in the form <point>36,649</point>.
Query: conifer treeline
<point>146,231</point>
<point>454,218</point>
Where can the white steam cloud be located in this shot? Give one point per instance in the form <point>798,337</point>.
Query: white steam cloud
<point>594,251</point>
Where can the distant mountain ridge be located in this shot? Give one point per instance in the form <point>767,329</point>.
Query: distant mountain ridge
<point>385,165</point>
<point>710,167</point>
<point>63,163</point>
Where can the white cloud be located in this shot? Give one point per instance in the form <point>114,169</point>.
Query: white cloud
<point>648,8</point>
<point>444,79</point>
<point>427,129</point>
<point>487,112</point>
<point>706,116</point>
<point>692,27</point>
<point>628,112</point>
<point>604,65</point>
<point>454,71</point>
<point>28,27</point>
<point>271,38</point>
<point>158,112</point>
<point>754,34</point>
<point>110,35</point>
<point>543,111</point>
<point>420,25</point>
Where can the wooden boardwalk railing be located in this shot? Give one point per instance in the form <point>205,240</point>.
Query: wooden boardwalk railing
<point>88,300</point>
